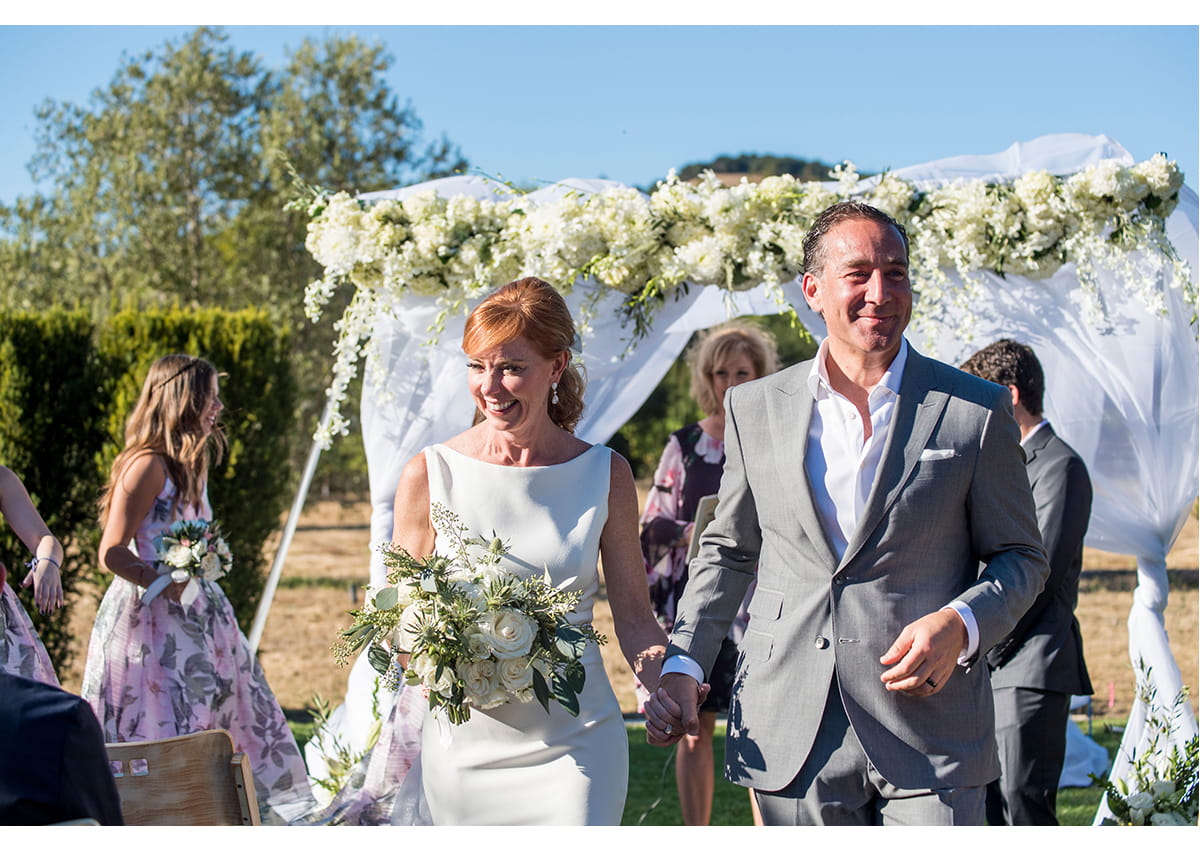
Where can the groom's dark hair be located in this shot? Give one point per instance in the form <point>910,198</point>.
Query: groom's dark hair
<point>814,247</point>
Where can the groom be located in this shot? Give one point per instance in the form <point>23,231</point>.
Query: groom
<point>882,499</point>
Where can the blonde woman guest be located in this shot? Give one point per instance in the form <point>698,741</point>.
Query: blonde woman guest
<point>690,469</point>
<point>158,666</point>
<point>21,651</point>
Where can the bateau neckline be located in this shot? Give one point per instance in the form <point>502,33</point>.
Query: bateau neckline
<point>513,466</point>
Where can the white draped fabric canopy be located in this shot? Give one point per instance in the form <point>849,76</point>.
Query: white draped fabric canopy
<point>1121,390</point>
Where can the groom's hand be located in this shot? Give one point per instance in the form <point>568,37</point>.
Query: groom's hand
<point>923,658</point>
<point>672,709</point>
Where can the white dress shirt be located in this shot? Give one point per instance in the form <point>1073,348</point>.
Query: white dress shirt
<point>842,467</point>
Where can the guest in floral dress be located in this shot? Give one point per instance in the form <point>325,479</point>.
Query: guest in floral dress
<point>690,469</point>
<point>158,666</point>
<point>21,651</point>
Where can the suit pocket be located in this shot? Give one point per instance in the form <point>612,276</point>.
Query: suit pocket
<point>766,603</point>
<point>756,646</point>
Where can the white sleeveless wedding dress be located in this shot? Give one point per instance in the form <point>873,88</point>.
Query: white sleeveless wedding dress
<point>517,764</point>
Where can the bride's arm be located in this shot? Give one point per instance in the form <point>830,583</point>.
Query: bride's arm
<point>411,527</point>
<point>641,638</point>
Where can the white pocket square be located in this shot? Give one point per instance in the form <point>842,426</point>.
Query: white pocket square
<point>937,454</point>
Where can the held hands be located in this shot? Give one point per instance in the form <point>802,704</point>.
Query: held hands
<point>672,710</point>
<point>923,658</point>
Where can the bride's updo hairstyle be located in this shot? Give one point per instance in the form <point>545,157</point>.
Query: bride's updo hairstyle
<point>532,309</point>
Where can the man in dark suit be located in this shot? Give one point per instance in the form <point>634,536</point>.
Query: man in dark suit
<point>1039,665</point>
<point>53,766</point>
<point>882,498</point>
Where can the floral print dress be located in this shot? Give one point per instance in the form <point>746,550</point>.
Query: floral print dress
<point>164,669</point>
<point>22,653</point>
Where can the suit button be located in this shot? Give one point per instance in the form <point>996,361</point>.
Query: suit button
<point>821,642</point>
<point>839,580</point>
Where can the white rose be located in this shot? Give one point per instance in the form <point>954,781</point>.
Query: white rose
<point>478,645</point>
<point>178,556</point>
<point>509,632</point>
<point>211,565</point>
<point>404,633</point>
<point>222,548</point>
<point>514,675</point>
<point>479,679</point>
<point>1162,788</point>
<point>425,667</point>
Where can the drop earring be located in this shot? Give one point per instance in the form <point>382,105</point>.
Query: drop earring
<point>554,390</point>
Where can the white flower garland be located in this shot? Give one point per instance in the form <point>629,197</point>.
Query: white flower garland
<point>458,249</point>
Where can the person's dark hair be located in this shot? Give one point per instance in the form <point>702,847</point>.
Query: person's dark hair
<point>532,309</point>
<point>814,240</point>
<point>717,345</point>
<point>1007,362</point>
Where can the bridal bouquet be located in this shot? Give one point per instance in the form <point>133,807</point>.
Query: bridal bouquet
<point>189,549</point>
<point>474,633</point>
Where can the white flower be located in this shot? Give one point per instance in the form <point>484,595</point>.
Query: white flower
<point>212,567</point>
<point>1162,788</point>
<point>178,556</point>
<point>404,633</point>
<point>425,667</point>
<point>1169,820</point>
<point>479,679</point>
<point>514,675</point>
<point>509,632</point>
<point>222,549</point>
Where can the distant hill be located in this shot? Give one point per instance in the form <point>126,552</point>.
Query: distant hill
<point>754,167</point>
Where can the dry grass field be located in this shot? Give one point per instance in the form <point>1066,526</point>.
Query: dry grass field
<point>327,563</point>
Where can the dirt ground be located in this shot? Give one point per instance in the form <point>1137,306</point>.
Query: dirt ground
<point>327,563</point>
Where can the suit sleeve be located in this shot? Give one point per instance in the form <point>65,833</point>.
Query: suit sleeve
<point>86,786</point>
<point>728,554</point>
<point>1062,497</point>
<point>1004,531</point>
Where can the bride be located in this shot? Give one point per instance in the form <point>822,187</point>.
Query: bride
<point>560,503</point>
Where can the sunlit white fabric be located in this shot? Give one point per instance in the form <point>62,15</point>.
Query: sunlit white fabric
<point>1123,394</point>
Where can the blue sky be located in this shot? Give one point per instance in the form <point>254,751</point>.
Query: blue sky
<point>630,102</point>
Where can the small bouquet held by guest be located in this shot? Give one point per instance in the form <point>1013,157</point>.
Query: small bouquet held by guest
<point>187,550</point>
<point>474,633</point>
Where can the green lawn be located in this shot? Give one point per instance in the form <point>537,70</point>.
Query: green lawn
<point>652,799</point>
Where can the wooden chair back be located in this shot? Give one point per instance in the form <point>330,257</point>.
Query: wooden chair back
<point>195,779</point>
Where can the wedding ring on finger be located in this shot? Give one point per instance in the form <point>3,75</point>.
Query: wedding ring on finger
<point>929,682</point>
<point>668,730</point>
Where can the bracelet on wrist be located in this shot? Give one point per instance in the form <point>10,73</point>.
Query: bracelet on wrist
<point>33,562</point>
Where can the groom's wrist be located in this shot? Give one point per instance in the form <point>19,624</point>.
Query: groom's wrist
<point>681,663</point>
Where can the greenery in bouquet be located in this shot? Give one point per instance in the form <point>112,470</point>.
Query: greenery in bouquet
<point>468,631</point>
<point>1162,789</point>
<point>193,549</point>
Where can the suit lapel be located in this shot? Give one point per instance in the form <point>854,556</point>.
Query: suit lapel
<point>918,409</point>
<point>789,411</point>
<point>1037,443</point>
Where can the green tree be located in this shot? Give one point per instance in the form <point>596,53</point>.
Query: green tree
<point>168,187</point>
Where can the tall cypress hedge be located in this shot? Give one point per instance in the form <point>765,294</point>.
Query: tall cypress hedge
<point>51,428</point>
<point>66,389</point>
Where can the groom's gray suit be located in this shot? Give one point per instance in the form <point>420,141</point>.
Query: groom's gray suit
<point>950,517</point>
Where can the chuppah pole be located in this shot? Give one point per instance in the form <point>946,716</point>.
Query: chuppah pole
<point>289,529</point>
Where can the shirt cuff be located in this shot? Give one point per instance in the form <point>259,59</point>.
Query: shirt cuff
<point>968,619</point>
<point>683,664</point>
